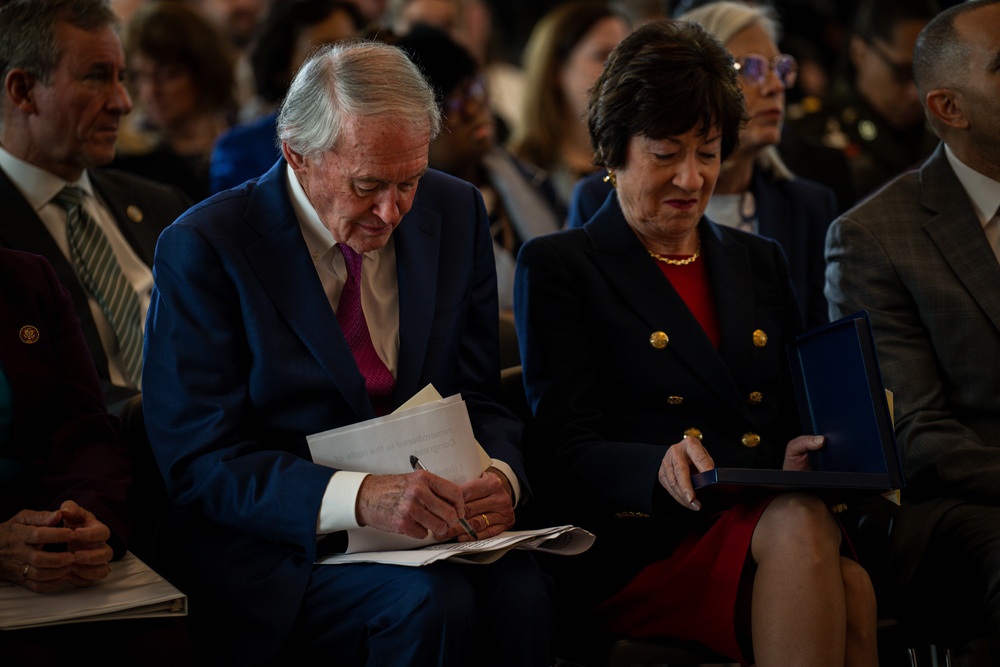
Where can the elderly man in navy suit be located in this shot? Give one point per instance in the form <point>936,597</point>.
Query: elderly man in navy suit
<point>250,348</point>
<point>921,256</point>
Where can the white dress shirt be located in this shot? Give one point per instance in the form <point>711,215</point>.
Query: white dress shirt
<point>39,187</point>
<point>984,194</point>
<point>380,302</point>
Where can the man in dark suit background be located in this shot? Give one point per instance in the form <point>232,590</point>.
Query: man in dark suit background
<point>921,256</point>
<point>63,71</point>
<point>248,351</point>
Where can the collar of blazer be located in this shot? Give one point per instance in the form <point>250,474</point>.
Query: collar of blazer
<point>954,228</point>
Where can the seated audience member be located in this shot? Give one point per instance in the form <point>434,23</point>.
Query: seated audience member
<point>445,15</point>
<point>756,192</point>
<point>63,101</point>
<point>180,71</point>
<point>653,346</point>
<point>325,293</point>
<point>921,257</point>
<point>64,473</point>
<point>470,24</point>
<point>521,202</point>
<point>291,31</point>
<point>238,21</point>
<point>872,113</point>
<point>372,11</point>
<point>562,59</point>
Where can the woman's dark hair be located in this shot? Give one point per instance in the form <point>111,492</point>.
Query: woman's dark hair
<point>274,46</point>
<point>665,79</point>
<point>173,33</point>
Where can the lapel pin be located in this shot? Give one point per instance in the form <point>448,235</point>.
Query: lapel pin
<point>134,213</point>
<point>29,334</point>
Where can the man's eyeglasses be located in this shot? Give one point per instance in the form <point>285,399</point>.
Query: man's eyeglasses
<point>754,68</point>
<point>902,73</point>
<point>472,91</point>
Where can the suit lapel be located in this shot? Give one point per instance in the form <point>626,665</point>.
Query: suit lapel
<point>418,248</point>
<point>294,288</point>
<point>25,231</point>
<point>624,261</point>
<point>956,231</point>
<point>133,220</point>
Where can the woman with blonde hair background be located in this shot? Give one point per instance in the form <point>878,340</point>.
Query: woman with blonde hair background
<point>562,59</point>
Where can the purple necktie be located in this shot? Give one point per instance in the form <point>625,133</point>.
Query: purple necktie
<point>378,380</point>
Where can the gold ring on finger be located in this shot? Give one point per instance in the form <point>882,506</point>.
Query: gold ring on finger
<point>486,519</point>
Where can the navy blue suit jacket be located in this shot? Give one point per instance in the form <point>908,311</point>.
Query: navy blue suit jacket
<point>794,212</point>
<point>607,403</point>
<point>62,439</point>
<point>244,359</point>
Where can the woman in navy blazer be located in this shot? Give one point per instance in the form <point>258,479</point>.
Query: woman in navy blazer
<point>756,191</point>
<point>653,346</point>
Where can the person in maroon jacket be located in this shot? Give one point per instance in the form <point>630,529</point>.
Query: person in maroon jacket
<point>64,470</point>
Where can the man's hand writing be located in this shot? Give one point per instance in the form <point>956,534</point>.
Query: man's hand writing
<point>415,504</point>
<point>489,505</point>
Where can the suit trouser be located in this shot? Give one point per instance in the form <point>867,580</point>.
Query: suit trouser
<point>442,614</point>
<point>954,594</point>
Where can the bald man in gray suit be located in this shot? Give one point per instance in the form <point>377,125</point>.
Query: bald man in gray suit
<point>921,255</point>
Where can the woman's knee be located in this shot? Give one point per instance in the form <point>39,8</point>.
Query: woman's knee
<point>800,525</point>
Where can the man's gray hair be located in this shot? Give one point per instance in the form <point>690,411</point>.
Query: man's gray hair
<point>355,79</point>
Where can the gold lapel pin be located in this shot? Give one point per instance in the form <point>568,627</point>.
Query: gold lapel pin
<point>29,334</point>
<point>134,213</point>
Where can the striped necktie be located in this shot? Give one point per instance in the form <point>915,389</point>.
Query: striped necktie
<point>378,379</point>
<point>98,269</point>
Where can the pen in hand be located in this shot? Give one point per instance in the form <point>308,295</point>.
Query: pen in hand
<point>417,465</point>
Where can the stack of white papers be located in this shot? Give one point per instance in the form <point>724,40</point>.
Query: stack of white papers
<point>563,540</point>
<point>438,432</point>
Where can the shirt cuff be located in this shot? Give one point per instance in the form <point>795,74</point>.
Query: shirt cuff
<point>511,477</point>
<point>337,511</point>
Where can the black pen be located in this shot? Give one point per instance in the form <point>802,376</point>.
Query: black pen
<point>417,465</point>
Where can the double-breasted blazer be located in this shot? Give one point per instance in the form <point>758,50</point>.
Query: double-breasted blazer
<point>617,369</point>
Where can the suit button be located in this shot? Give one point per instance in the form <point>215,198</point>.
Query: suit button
<point>755,398</point>
<point>750,440</point>
<point>694,433</point>
<point>658,340</point>
<point>675,400</point>
<point>759,338</point>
